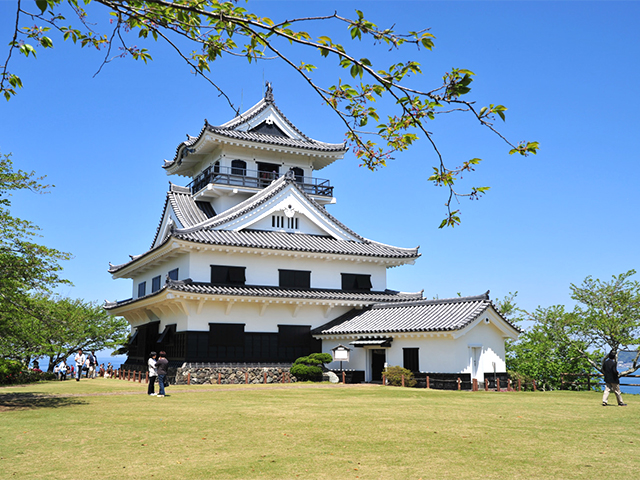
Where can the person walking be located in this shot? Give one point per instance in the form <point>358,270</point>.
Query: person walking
<point>80,359</point>
<point>611,379</point>
<point>153,373</point>
<point>162,366</point>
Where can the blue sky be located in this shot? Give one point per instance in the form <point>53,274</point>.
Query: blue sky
<point>567,71</point>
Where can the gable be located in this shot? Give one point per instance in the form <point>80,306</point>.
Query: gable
<point>280,211</point>
<point>264,117</point>
<point>168,222</point>
<point>268,128</point>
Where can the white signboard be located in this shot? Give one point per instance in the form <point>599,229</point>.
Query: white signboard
<point>340,353</point>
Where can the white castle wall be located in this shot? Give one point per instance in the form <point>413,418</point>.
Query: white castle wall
<point>263,269</point>
<point>437,354</point>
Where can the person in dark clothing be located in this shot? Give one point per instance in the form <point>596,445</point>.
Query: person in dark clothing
<point>162,365</point>
<point>611,379</point>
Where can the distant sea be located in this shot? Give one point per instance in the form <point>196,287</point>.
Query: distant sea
<point>627,389</point>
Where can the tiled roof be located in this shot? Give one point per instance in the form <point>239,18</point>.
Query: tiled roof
<point>278,292</point>
<point>418,316</point>
<point>230,130</point>
<point>188,211</point>
<point>277,140</point>
<point>295,242</point>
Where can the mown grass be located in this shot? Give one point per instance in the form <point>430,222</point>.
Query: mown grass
<point>106,429</point>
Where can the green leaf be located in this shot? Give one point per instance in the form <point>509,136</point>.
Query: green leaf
<point>42,5</point>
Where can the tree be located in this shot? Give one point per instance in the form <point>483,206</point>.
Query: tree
<point>607,316</point>
<point>25,266</point>
<point>311,366</point>
<point>212,29</point>
<point>56,327</point>
<point>544,353</point>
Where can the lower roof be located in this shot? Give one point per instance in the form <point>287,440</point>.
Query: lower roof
<point>198,288</point>
<point>414,316</point>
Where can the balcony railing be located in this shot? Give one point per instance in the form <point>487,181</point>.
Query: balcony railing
<point>241,177</point>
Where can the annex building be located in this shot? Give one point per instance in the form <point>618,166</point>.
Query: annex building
<point>247,265</point>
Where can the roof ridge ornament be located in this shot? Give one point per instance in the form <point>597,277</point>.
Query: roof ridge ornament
<point>268,94</point>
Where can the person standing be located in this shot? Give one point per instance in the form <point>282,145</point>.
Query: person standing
<point>611,379</point>
<point>153,373</point>
<point>91,361</point>
<point>162,366</point>
<point>80,359</point>
<point>62,369</point>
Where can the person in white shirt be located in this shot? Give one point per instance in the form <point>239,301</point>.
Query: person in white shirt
<point>62,370</point>
<point>153,374</point>
<point>80,360</point>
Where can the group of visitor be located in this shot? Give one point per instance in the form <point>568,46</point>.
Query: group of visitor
<point>158,366</point>
<point>87,364</point>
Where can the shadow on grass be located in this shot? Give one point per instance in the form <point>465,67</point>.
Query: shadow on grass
<point>29,401</point>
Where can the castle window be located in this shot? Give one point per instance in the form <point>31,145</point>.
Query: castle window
<point>238,167</point>
<point>173,274</point>
<point>356,281</point>
<point>226,275</point>
<point>277,221</point>
<point>295,278</point>
<point>155,284</point>
<point>226,334</point>
<point>292,223</point>
<point>142,289</point>
<point>410,359</point>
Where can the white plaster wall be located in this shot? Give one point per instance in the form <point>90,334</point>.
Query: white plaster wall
<point>249,313</point>
<point>263,269</point>
<point>254,156</point>
<point>225,202</point>
<point>181,262</point>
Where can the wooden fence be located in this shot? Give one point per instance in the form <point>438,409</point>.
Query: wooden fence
<point>510,387</point>
<point>583,380</point>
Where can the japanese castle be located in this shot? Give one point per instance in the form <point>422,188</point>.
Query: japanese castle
<point>247,265</point>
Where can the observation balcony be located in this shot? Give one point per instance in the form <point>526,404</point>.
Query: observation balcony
<point>256,179</point>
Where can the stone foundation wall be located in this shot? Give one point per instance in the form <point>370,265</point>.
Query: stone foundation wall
<point>232,375</point>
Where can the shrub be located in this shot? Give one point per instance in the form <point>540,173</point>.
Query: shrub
<point>14,372</point>
<point>394,376</point>
<point>311,366</point>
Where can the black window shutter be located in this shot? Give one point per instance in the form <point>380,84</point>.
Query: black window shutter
<point>236,275</point>
<point>219,274</point>
<point>302,279</point>
<point>363,282</point>
<point>348,281</point>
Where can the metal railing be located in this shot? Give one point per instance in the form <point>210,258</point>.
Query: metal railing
<point>235,176</point>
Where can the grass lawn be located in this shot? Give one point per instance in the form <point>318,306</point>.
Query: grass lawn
<point>110,429</point>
